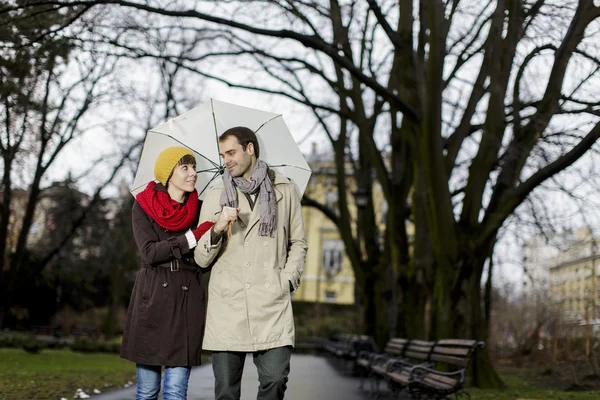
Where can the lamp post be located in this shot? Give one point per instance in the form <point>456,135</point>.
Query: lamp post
<point>361,199</point>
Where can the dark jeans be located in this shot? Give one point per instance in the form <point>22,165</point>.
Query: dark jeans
<point>273,367</point>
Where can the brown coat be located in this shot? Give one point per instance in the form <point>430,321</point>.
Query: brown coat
<point>166,314</point>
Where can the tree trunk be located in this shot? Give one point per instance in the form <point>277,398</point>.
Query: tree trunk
<point>483,373</point>
<point>413,313</point>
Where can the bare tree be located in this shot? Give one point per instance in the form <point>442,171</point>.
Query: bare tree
<point>477,104</point>
<point>46,89</point>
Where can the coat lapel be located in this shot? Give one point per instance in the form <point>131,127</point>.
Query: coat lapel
<point>245,210</point>
<point>254,215</point>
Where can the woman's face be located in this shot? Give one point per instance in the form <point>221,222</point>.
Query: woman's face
<point>183,178</point>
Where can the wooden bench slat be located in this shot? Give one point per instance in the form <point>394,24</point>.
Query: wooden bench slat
<point>453,351</point>
<point>457,342</point>
<point>379,369</point>
<point>399,377</point>
<point>436,384</point>
<point>363,362</point>
<point>418,356</point>
<point>425,349</point>
<point>458,361</point>
<point>394,349</point>
<point>442,378</point>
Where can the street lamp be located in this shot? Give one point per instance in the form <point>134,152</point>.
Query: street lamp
<point>361,198</point>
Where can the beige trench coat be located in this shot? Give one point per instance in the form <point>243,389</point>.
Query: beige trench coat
<point>249,303</point>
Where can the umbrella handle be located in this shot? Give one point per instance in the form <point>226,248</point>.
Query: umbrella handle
<point>229,227</point>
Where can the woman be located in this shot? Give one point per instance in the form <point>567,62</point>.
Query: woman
<point>165,319</point>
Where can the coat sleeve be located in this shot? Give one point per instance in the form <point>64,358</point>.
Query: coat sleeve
<point>206,252</point>
<point>297,246</point>
<point>155,251</point>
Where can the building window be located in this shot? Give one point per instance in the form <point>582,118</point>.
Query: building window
<point>384,210</point>
<point>330,296</point>
<point>331,199</point>
<point>333,251</point>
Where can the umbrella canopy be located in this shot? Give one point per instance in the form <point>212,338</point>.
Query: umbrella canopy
<point>199,129</point>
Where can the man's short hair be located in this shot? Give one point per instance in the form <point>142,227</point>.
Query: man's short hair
<point>244,136</point>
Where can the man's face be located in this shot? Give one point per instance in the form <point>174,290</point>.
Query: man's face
<point>239,162</point>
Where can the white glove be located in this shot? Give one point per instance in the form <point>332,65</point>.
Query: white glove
<point>228,215</point>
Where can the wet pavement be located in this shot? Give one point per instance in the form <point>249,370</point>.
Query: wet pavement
<point>311,378</point>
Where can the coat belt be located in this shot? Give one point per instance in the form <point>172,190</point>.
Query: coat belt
<point>176,265</point>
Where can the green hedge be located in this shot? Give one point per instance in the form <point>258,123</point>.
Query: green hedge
<point>95,346</point>
<point>34,344</point>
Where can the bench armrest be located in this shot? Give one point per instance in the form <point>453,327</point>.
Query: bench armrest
<point>382,359</point>
<point>417,370</point>
<point>367,355</point>
<point>398,364</point>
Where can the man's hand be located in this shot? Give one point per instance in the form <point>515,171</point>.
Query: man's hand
<point>228,215</point>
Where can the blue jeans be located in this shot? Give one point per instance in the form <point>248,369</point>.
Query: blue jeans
<point>148,382</point>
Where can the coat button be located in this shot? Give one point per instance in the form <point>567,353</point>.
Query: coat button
<point>267,285</point>
<point>184,288</point>
<point>247,244</point>
<point>266,243</point>
<point>247,286</point>
<point>165,284</point>
<point>266,264</point>
<point>247,264</point>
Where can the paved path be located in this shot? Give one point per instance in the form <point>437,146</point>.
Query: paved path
<point>311,378</point>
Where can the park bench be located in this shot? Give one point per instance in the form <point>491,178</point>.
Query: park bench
<point>442,375</point>
<point>347,346</point>
<point>85,332</point>
<point>415,352</point>
<point>42,330</point>
<point>335,345</point>
<point>365,359</point>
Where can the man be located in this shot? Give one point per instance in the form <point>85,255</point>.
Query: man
<point>257,250</point>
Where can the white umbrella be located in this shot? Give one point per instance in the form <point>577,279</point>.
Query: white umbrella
<point>199,130</point>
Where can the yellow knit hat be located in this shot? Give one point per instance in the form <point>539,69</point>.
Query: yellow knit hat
<point>167,160</point>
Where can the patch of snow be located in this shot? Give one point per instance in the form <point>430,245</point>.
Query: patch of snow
<point>80,394</point>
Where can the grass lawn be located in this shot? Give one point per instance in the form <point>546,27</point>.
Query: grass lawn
<point>523,385</point>
<point>53,374</point>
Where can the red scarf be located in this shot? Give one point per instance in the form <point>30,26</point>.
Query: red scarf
<point>168,213</point>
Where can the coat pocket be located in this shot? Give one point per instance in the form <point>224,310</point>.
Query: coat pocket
<point>220,282</point>
<point>284,283</point>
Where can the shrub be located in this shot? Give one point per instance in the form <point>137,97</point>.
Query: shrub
<point>33,346</point>
<point>95,346</point>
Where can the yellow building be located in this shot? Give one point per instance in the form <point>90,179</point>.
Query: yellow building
<point>328,276</point>
<point>574,279</point>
